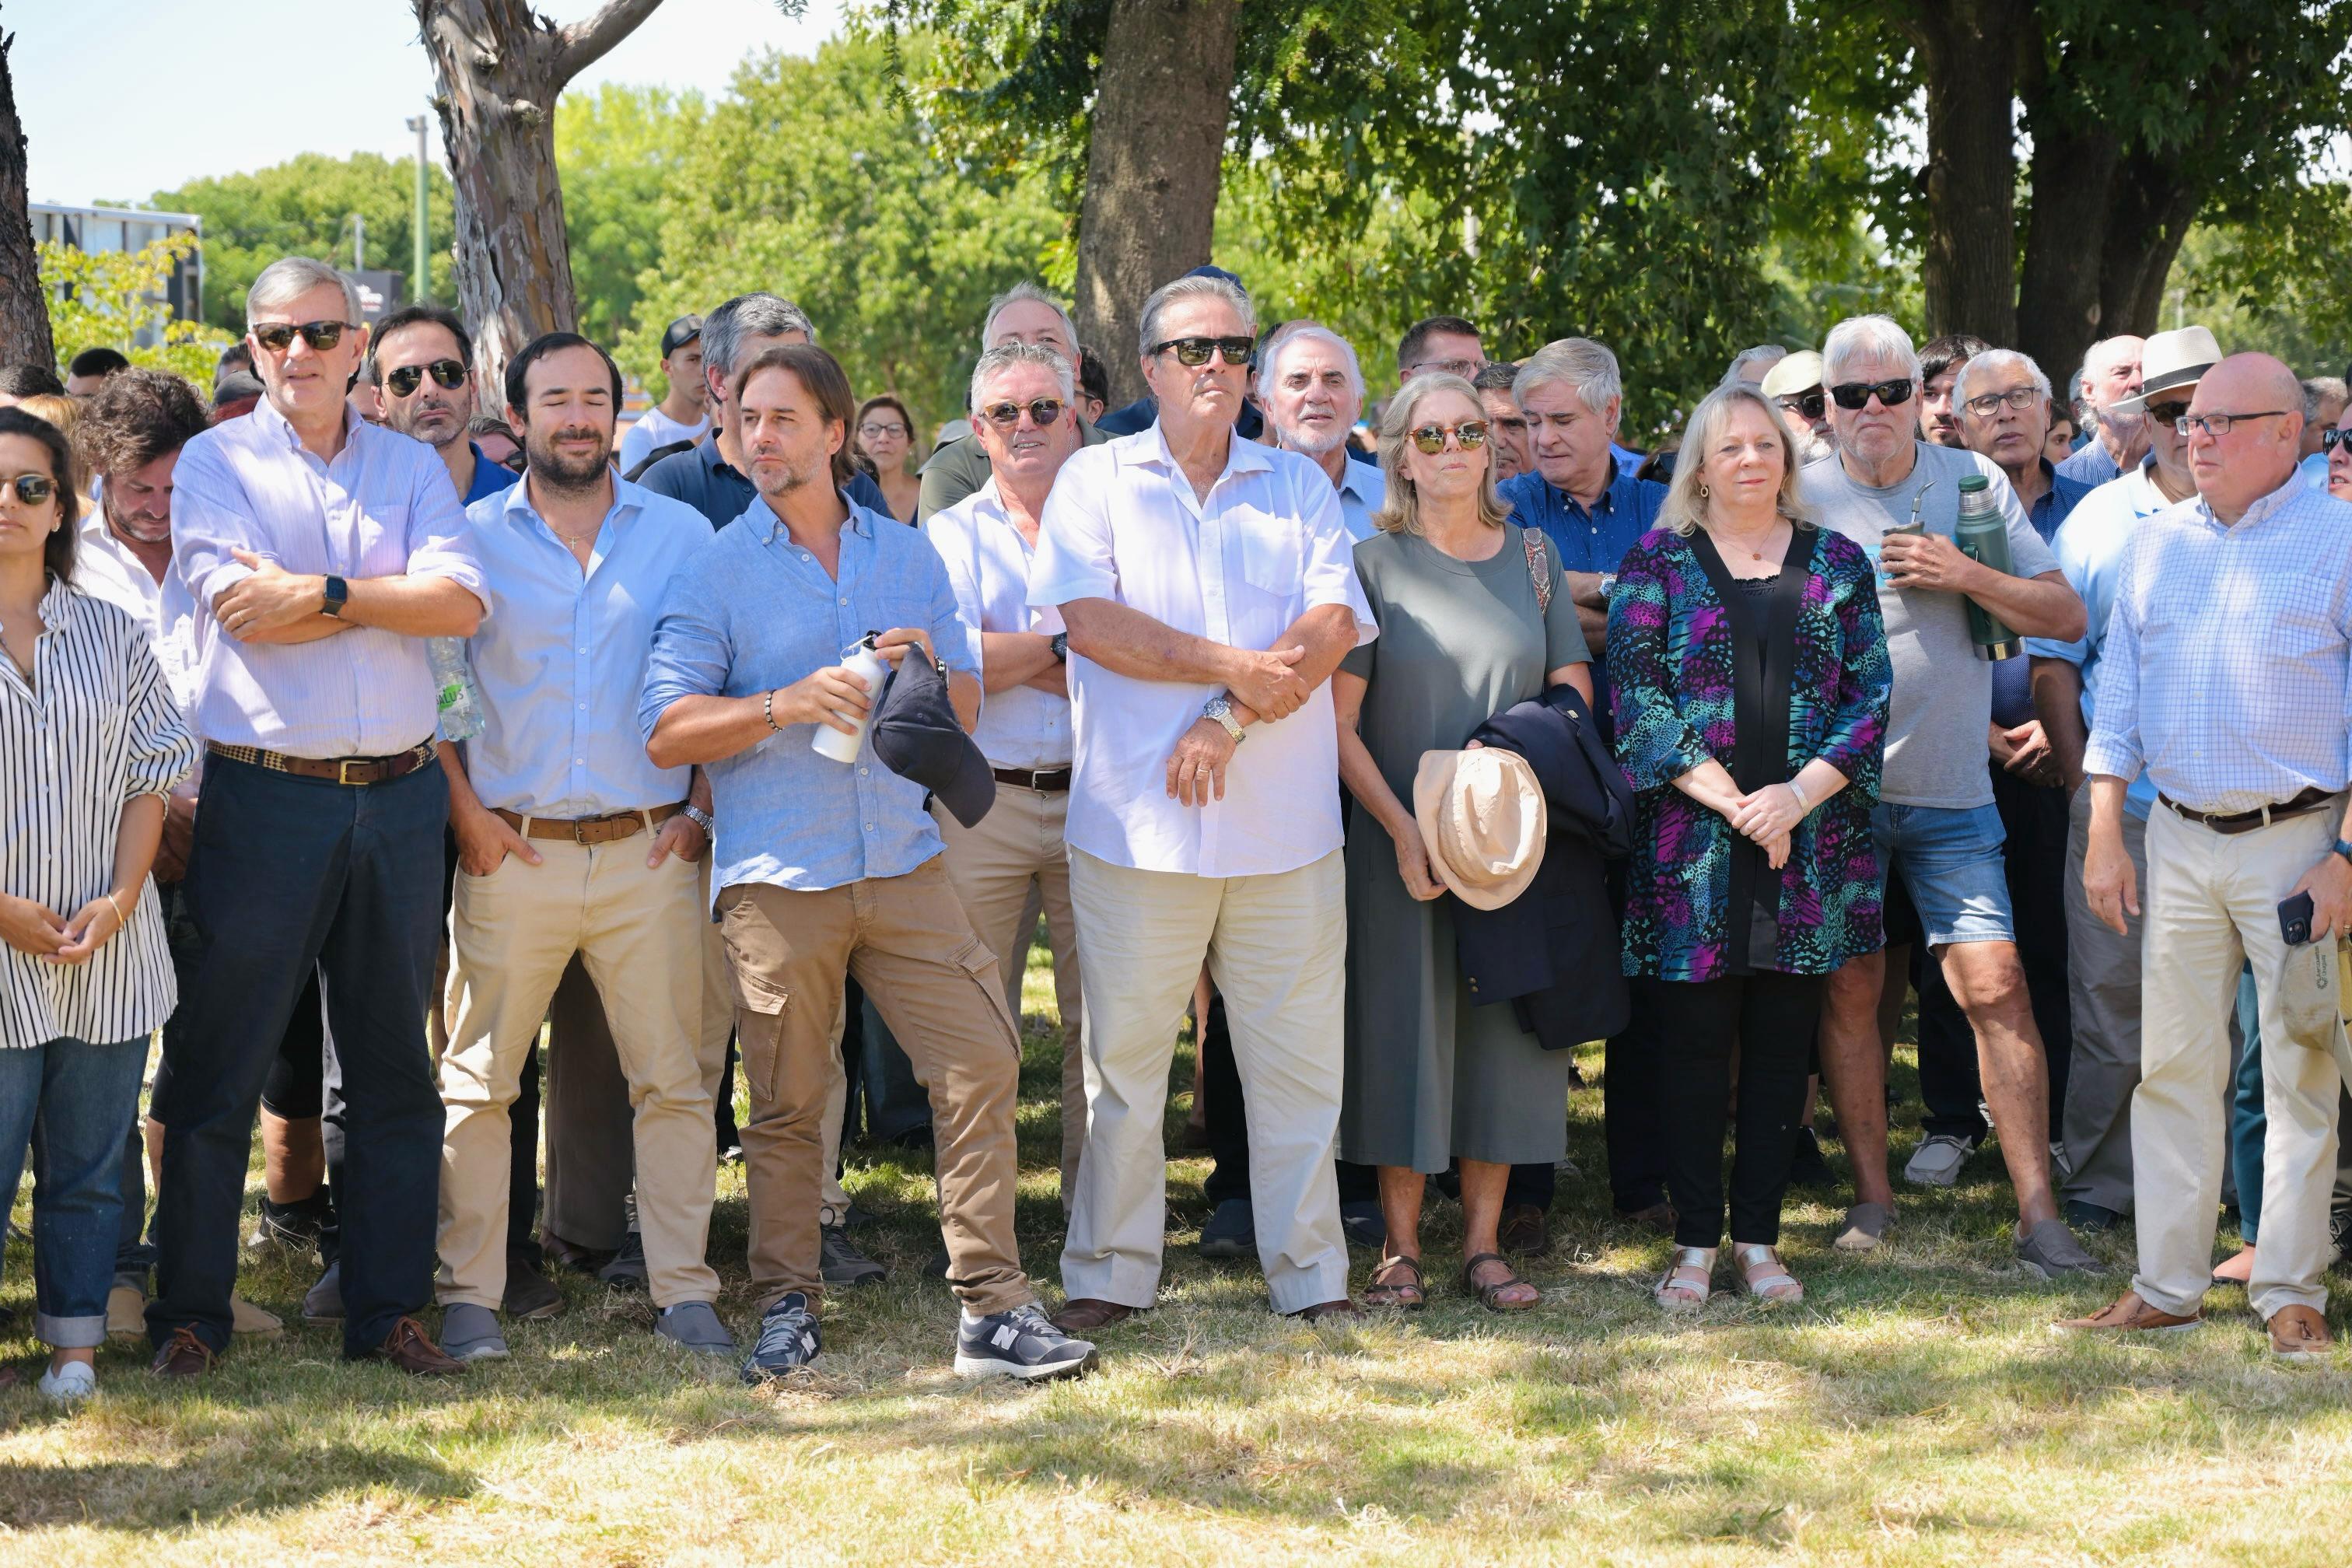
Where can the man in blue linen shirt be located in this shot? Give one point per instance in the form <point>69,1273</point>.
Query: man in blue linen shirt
<point>824,869</point>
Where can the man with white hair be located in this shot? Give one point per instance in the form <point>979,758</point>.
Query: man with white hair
<point>320,553</point>
<point>1312,390</point>
<point>2110,377</point>
<point>1023,313</point>
<point>1022,416</point>
<point>1209,586</point>
<point>1935,826</point>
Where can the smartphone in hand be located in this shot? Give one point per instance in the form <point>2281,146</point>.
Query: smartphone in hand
<point>2295,919</point>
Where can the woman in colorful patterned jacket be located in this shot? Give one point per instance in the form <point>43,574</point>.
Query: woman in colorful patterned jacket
<point>1751,675</point>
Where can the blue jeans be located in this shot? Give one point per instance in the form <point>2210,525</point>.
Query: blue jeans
<point>1949,860</point>
<point>73,1104</point>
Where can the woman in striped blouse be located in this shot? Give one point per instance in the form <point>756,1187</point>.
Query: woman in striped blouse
<point>90,742</point>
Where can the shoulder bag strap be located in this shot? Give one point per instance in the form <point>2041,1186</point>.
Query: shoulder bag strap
<point>1538,568</point>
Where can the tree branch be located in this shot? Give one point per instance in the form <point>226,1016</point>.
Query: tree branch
<point>583,43</point>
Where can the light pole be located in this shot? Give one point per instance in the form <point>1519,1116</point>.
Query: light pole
<point>417,286</point>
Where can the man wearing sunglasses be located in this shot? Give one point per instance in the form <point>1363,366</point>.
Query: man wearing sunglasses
<point>2103,968</point>
<point>1794,387</point>
<point>1312,390</point>
<point>422,363</point>
<point>2325,399</point>
<point>1936,825</point>
<point>320,553</point>
<point>1209,586</point>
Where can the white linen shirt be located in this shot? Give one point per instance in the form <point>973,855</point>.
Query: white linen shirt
<point>1268,546</point>
<point>105,568</point>
<point>988,566</point>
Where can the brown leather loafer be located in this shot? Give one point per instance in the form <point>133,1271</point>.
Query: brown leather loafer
<point>1525,1230</point>
<point>1342,1308</point>
<point>410,1349</point>
<point>2299,1332</point>
<point>183,1355</point>
<point>1081,1314</point>
<point>2130,1319</point>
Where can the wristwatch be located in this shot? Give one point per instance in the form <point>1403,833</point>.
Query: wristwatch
<point>1060,643</point>
<point>1220,710</point>
<point>336,595</point>
<point>699,818</point>
<point>2344,847</point>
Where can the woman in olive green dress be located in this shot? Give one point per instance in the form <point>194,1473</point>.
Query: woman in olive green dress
<point>1465,634</point>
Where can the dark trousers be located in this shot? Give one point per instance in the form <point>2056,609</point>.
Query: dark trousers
<point>1227,1118</point>
<point>1769,1018</point>
<point>1633,1103</point>
<point>885,1096</point>
<point>290,875</point>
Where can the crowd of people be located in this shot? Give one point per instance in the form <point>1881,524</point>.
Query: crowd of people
<point>365,722</point>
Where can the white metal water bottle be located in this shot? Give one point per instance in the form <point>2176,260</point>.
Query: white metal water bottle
<point>860,659</point>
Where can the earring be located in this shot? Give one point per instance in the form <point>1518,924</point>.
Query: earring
<point>1702,492</point>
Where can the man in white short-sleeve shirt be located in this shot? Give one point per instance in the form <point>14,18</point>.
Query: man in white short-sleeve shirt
<point>1209,591</point>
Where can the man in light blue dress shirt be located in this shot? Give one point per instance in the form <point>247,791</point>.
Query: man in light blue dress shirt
<point>824,868</point>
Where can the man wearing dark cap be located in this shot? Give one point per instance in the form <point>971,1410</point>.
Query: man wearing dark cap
<point>684,412</point>
<point>824,870</point>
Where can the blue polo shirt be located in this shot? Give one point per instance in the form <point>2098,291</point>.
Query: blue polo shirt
<point>490,477</point>
<point>1588,539</point>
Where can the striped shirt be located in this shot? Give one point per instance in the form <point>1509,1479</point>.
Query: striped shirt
<point>95,728</point>
<point>2228,667</point>
<point>383,508</point>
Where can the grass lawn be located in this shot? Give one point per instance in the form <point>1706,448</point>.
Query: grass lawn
<point>1913,1410</point>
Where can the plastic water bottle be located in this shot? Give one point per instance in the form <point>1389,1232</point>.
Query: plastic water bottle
<point>860,659</point>
<point>1982,535</point>
<point>458,699</point>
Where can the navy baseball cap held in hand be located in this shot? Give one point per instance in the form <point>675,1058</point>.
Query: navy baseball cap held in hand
<point>918,737</point>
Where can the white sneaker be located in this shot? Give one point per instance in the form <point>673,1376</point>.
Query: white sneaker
<point>1936,1161</point>
<point>74,1380</point>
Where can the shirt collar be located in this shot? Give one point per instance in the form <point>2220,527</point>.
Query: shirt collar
<point>2264,507</point>
<point>1243,456</point>
<point>266,416</point>
<point>762,516</point>
<point>627,499</point>
<point>707,448</point>
<point>53,604</point>
<point>1605,502</point>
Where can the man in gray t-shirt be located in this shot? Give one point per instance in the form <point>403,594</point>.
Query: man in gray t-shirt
<point>1935,824</point>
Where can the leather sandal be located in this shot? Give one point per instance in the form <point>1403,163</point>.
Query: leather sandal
<point>1677,1292</point>
<point>1490,1295</point>
<point>1386,1291</point>
<point>1765,1276</point>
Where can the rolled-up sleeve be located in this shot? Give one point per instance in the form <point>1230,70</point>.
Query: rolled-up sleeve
<point>1330,555</point>
<point>1075,559</point>
<point>440,538</point>
<point>161,749</point>
<point>955,630</point>
<point>211,517</point>
<point>692,651</point>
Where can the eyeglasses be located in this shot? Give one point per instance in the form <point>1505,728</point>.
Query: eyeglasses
<point>1470,435</point>
<point>34,489</point>
<point>1810,404</point>
<point>880,432</point>
<point>1465,368</point>
<point>279,336</point>
<point>1194,352</point>
<point>2018,398</point>
<point>1043,411</point>
<point>447,374</point>
<point>1857,394</point>
<point>2331,439</point>
<point>2167,413</point>
<point>2218,424</point>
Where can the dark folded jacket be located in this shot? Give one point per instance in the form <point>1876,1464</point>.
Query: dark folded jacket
<point>1552,952</point>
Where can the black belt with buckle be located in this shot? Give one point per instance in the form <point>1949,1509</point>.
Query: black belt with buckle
<point>354,772</point>
<point>2309,801</point>
<point>1045,781</point>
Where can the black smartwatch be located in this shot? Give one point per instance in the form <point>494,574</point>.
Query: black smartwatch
<point>1061,647</point>
<point>337,595</point>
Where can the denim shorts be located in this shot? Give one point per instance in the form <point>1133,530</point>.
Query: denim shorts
<point>1950,863</point>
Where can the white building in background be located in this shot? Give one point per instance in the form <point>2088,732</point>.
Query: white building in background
<point>102,229</point>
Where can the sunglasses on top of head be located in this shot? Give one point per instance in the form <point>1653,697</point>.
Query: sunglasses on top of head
<point>447,374</point>
<point>279,336</point>
<point>1850,395</point>
<point>1194,352</point>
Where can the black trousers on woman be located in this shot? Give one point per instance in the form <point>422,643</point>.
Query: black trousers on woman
<point>1771,1018</point>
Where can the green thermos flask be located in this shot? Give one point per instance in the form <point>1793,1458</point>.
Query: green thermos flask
<point>1983,535</point>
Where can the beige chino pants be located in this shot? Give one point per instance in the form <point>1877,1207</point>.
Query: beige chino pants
<point>2212,901</point>
<point>639,931</point>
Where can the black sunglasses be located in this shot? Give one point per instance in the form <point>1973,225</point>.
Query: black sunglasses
<point>1194,352</point>
<point>2331,439</point>
<point>2167,413</point>
<point>34,489</point>
<point>1043,411</point>
<point>447,374</point>
<point>1858,394</point>
<point>279,336</point>
<point>1810,405</point>
<point>1470,435</point>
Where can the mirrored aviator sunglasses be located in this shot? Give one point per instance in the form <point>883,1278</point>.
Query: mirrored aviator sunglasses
<point>1470,435</point>
<point>447,374</point>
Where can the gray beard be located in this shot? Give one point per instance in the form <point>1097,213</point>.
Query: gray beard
<point>1313,446</point>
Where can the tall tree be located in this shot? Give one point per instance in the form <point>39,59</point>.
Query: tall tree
<point>25,337</point>
<point>500,67</point>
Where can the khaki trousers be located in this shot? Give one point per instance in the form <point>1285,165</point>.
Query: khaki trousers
<point>2103,979</point>
<point>2212,901</point>
<point>937,986</point>
<point>637,931</point>
<point>1013,857</point>
<point>1276,947</point>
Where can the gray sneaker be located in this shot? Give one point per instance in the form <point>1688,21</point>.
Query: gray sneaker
<point>2050,1250</point>
<point>1865,1228</point>
<point>471,1333</point>
<point>841,1264</point>
<point>692,1325</point>
<point>1936,1161</point>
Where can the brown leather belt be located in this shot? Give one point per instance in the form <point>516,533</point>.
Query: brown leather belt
<point>2309,801</point>
<point>1047,781</point>
<point>356,772</point>
<point>587,829</point>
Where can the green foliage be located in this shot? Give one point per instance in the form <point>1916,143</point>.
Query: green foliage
<point>813,179</point>
<point>618,151</point>
<point>304,207</point>
<point>112,299</point>
<point>2271,288</point>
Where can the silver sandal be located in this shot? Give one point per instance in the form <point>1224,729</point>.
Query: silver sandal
<point>1676,1294</point>
<point>1765,1276</point>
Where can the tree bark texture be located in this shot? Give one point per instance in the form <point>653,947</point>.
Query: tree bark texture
<point>24,336</point>
<point>1968,52</point>
<point>501,70</point>
<point>1163,98</point>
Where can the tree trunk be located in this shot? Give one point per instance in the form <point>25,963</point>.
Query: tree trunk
<point>1968,53</point>
<point>1163,100</point>
<point>501,70</point>
<point>25,337</point>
